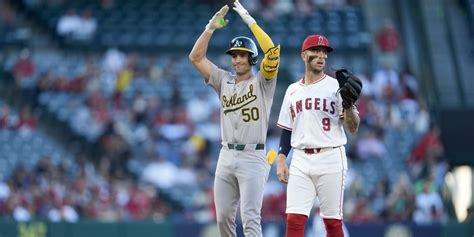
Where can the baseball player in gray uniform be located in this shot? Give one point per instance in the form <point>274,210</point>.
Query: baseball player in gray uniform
<point>246,99</point>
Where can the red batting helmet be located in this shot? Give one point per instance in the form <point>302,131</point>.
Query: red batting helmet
<point>314,41</point>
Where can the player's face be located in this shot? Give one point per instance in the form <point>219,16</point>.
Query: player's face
<point>315,59</point>
<point>240,62</point>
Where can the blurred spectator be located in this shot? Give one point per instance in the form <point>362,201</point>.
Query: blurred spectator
<point>430,142</point>
<point>429,206</point>
<point>6,120</point>
<point>114,60</point>
<point>98,106</point>
<point>8,19</point>
<point>107,4</point>
<point>21,214</point>
<point>140,202</point>
<point>422,122</point>
<point>385,83</point>
<point>27,121</point>
<point>362,212</point>
<point>274,201</point>
<point>174,133</point>
<point>199,108</point>
<point>5,193</point>
<point>378,197</point>
<point>283,7</point>
<point>161,173</point>
<point>124,79</point>
<point>73,26</point>
<point>69,24</point>
<point>139,106</point>
<point>388,42</point>
<point>367,89</point>
<point>155,72</point>
<point>388,39</point>
<point>23,70</point>
<point>251,6</point>
<point>61,213</point>
<point>370,146</point>
<point>88,26</point>
<point>400,202</point>
<point>303,7</point>
<point>409,82</point>
<point>267,9</point>
<point>409,110</point>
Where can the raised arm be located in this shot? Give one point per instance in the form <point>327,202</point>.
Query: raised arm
<point>198,53</point>
<point>271,60</point>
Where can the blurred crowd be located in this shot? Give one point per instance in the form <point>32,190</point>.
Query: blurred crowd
<point>161,149</point>
<point>71,191</point>
<point>23,122</point>
<point>272,9</point>
<point>80,27</point>
<point>147,139</point>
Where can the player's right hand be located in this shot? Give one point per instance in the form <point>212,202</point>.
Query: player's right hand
<point>218,21</point>
<point>282,169</point>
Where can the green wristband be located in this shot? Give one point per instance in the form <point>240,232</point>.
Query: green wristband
<point>222,22</point>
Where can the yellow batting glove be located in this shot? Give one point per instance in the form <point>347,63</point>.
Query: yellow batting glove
<point>271,155</point>
<point>270,63</point>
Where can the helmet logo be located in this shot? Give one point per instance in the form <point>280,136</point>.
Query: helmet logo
<point>237,43</point>
<point>320,40</point>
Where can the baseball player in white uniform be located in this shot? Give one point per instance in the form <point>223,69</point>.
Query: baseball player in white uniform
<point>246,99</point>
<point>312,118</point>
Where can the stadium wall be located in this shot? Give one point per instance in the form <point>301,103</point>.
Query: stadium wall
<point>168,229</point>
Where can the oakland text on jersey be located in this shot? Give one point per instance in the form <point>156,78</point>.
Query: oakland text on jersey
<point>237,102</point>
<point>316,103</point>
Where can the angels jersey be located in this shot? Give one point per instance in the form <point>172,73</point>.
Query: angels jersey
<point>245,106</point>
<point>314,114</point>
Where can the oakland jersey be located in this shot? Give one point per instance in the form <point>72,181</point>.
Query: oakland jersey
<point>245,106</point>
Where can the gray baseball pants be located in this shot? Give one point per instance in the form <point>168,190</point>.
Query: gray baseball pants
<point>240,176</point>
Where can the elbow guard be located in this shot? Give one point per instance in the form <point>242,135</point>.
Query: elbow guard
<point>285,142</point>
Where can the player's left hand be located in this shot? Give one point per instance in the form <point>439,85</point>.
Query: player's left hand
<point>350,87</point>
<point>282,169</point>
<point>244,14</point>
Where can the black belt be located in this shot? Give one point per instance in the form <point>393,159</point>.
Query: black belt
<point>241,147</point>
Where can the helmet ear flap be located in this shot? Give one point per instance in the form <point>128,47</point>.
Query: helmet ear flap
<point>252,59</point>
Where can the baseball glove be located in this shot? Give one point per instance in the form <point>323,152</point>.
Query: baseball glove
<point>350,87</point>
